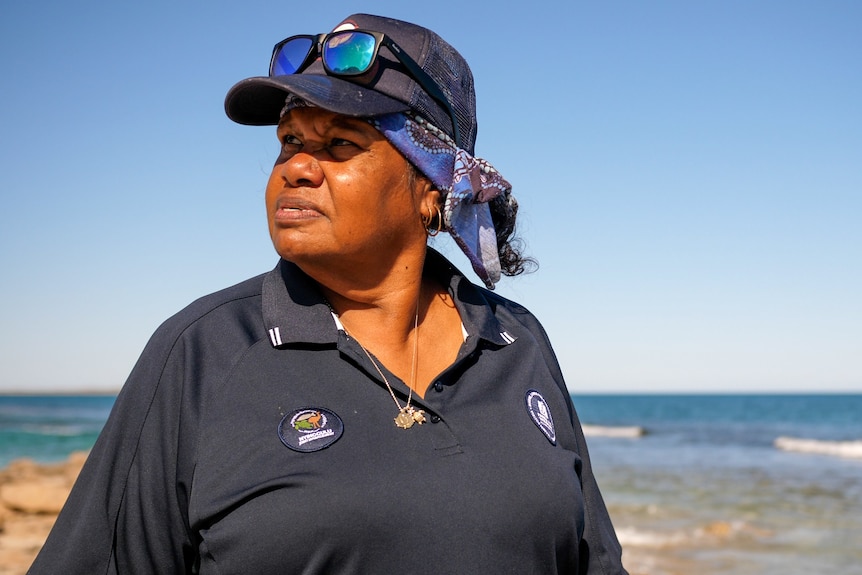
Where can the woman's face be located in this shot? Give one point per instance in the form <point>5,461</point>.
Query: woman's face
<point>340,190</point>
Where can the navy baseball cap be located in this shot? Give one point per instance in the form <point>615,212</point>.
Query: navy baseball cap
<point>385,89</point>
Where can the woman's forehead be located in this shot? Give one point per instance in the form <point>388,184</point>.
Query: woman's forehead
<point>323,119</point>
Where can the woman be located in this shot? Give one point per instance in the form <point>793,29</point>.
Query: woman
<point>362,408</point>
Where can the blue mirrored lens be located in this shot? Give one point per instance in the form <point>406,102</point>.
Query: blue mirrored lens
<point>349,52</point>
<point>290,56</point>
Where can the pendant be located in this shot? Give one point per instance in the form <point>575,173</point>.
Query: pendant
<point>418,415</point>
<point>404,419</point>
<point>408,416</point>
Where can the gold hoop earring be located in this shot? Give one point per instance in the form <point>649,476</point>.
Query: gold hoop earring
<point>427,222</point>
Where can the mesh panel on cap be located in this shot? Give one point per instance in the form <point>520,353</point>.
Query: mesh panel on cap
<point>452,74</point>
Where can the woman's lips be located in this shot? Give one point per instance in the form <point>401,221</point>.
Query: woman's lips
<point>295,209</point>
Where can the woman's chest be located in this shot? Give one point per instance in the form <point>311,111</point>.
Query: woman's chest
<point>301,469</point>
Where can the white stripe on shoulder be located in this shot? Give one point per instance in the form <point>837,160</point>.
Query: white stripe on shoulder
<point>275,336</point>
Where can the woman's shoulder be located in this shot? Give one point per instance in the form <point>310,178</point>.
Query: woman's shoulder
<point>244,293</point>
<point>235,310</point>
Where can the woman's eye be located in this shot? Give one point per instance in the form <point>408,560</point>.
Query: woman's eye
<point>340,142</point>
<point>341,149</point>
<point>289,140</point>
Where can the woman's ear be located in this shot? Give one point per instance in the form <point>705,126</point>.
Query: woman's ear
<point>427,196</point>
<point>431,198</point>
<point>432,214</point>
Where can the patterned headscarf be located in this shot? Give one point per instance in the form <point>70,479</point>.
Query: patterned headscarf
<point>468,184</point>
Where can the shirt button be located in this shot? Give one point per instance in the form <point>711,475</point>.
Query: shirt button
<point>435,419</point>
<point>438,386</point>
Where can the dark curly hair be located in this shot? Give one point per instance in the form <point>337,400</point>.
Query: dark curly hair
<point>504,212</point>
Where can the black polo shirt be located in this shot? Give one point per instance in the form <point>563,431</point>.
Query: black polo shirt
<point>254,436</point>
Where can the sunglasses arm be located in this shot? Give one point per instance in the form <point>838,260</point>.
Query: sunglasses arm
<point>428,84</point>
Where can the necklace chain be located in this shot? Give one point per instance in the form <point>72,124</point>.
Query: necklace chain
<point>407,414</point>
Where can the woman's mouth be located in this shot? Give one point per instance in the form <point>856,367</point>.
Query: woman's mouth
<point>295,210</point>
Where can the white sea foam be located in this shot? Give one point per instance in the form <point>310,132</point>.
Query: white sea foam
<point>849,449</point>
<point>714,531</point>
<point>652,539</point>
<point>632,431</point>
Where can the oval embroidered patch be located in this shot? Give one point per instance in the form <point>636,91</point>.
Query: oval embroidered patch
<point>310,429</point>
<point>541,415</point>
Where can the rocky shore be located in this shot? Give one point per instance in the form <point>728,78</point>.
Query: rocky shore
<point>31,496</point>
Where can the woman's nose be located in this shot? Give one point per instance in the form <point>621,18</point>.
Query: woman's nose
<point>302,169</point>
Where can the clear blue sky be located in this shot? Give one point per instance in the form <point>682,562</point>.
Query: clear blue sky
<point>689,172</point>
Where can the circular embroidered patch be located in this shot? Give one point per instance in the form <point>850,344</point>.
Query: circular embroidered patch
<point>539,411</point>
<point>310,429</point>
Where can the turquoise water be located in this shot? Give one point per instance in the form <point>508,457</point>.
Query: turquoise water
<point>705,484</point>
<point>48,428</point>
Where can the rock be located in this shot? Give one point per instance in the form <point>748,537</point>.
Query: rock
<point>31,495</point>
<point>45,497</point>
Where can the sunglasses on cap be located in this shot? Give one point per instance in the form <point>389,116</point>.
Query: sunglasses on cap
<point>351,53</point>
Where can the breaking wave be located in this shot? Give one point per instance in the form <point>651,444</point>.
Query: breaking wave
<point>632,431</point>
<point>848,449</point>
<point>713,531</point>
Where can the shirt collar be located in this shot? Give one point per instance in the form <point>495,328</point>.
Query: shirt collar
<point>476,305</point>
<point>295,311</point>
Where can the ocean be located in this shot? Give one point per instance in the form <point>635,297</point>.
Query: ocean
<point>47,428</point>
<point>695,484</point>
<point>731,484</point>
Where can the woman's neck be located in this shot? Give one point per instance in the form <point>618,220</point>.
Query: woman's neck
<point>379,297</point>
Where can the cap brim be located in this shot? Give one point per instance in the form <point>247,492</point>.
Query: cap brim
<point>258,101</point>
